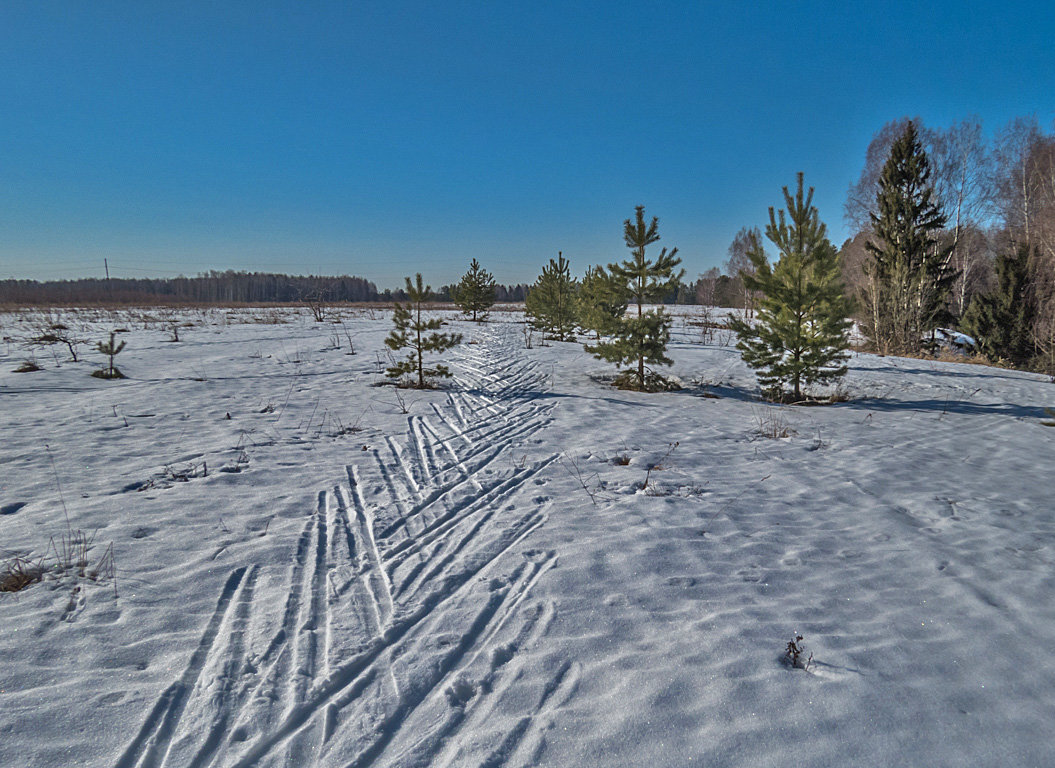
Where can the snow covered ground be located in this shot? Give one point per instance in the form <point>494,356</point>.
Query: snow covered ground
<point>525,568</point>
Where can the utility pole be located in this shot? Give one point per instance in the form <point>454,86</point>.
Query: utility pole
<point>109,285</point>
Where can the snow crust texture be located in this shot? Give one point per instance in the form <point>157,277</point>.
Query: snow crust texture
<point>525,568</point>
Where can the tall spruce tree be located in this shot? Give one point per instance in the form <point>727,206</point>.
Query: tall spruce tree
<point>801,332</point>
<point>910,272</point>
<point>550,302</point>
<point>418,334</point>
<point>642,338</point>
<point>475,294</point>
<point>1001,322</point>
<point>602,302</point>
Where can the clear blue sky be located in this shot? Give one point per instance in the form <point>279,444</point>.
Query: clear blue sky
<point>384,138</point>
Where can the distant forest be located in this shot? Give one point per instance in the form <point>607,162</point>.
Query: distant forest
<point>232,287</point>
<point>214,287</point>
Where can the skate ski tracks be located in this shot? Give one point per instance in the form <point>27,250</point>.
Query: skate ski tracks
<point>406,616</point>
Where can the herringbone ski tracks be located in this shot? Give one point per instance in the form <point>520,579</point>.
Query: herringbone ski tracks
<point>408,609</point>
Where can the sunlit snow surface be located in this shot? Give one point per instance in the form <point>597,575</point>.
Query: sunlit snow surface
<point>321,579</point>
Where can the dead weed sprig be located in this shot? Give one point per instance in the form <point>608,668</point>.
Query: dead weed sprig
<point>771,424</point>
<point>795,654</point>
<point>571,466</point>
<point>65,556</point>
<point>657,466</point>
<point>18,573</point>
<point>68,556</point>
<point>733,500</point>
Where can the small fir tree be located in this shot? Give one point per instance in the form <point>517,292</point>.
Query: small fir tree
<point>111,349</point>
<point>1001,322</point>
<point>475,294</point>
<point>417,334</point>
<point>801,332</point>
<point>642,338</point>
<point>550,302</point>
<point>910,273</point>
<point>602,302</point>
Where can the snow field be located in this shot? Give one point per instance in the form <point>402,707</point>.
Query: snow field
<point>484,581</point>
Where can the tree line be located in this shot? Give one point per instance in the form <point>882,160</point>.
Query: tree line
<point>921,265</point>
<point>979,242</point>
<point>976,237</point>
<point>216,287</point>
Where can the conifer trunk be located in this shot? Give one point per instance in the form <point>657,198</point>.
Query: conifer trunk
<point>421,365</point>
<point>640,312</point>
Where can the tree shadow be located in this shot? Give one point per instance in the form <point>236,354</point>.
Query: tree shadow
<point>954,405</point>
<point>985,372</point>
<point>529,395</point>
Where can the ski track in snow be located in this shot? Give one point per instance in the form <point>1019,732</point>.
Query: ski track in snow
<point>404,619</point>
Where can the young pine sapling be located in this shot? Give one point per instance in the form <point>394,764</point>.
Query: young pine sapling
<point>418,334</point>
<point>111,349</point>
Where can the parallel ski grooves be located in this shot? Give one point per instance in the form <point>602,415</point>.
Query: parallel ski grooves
<point>347,676</point>
<point>151,746</point>
<point>393,611</point>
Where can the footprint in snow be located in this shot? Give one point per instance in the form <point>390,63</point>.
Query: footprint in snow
<point>501,655</point>
<point>537,555</point>
<point>750,574</point>
<point>681,581</point>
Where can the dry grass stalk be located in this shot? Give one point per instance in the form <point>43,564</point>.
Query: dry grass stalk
<point>19,573</point>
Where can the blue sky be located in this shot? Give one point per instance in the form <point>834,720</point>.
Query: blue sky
<point>385,138</point>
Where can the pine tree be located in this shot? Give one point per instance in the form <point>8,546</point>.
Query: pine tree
<point>910,274</point>
<point>412,332</point>
<point>1001,322</point>
<point>602,302</point>
<point>111,349</point>
<point>800,335</point>
<point>475,294</point>
<point>641,338</point>
<point>551,300</point>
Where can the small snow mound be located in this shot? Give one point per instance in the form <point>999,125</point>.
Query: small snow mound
<point>460,692</point>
